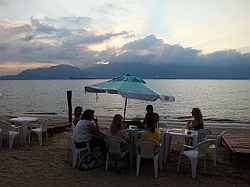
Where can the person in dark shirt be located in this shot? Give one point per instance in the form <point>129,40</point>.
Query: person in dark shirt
<point>197,122</point>
<point>151,113</point>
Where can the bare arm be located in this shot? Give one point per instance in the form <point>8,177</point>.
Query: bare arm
<point>194,123</point>
<point>94,129</point>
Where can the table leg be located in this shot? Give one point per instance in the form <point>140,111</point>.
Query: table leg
<point>24,126</point>
<point>167,147</point>
<point>162,141</point>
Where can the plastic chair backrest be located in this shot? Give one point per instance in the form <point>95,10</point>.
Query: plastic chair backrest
<point>7,127</point>
<point>203,147</point>
<point>146,147</point>
<point>69,139</point>
<point>202,133</point>
<point>114,144</point>
<point>44,124</point>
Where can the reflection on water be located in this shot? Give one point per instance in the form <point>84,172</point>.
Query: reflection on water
<point>219,100</point>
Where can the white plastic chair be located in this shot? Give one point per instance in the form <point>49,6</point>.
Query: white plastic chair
<point>10,130</point>
<point>116,145</point>
<point>39,130</point>
<point>76,151</point>
<point>213,147</point>
<point>202,133</point>
<point>195,153</point>
<point>145,149</point>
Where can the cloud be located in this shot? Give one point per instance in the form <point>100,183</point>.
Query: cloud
<point>48,40</point>
<point>154,50</point>
<point>4,3</point>
<point>72,40</point>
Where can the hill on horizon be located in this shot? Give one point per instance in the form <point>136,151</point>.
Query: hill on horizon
<point>146,71</point>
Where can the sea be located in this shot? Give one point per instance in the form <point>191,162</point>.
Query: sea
<point>223,103</point>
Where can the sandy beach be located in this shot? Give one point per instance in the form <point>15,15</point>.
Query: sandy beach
<point>49,165</point>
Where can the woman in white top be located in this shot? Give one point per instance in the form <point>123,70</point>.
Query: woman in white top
<point>87,128</point>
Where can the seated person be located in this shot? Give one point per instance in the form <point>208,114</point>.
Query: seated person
<point>151,131</point>
<point>150,112</point>
<point>116,129</point>
<point>77,116</point>
<point>87,128</point>
<point>197,122</point>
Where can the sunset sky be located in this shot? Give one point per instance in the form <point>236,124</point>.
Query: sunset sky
<point>42,33</point>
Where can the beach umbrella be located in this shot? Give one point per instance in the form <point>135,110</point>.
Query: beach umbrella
<point>129,87</point>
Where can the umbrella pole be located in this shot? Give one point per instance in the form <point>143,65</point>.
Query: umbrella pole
<point>126,100</point>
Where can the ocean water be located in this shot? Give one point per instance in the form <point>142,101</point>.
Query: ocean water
<point>222,102</point>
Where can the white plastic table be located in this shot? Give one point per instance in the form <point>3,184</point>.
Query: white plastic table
<point>177,132</point>
<point>24,122</point>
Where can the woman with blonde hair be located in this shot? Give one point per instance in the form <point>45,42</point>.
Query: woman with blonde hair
<point>116,128</point>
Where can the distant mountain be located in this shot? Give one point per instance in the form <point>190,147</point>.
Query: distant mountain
<point>169,71</point>
<point>54,72</point>
<point>146,71</point>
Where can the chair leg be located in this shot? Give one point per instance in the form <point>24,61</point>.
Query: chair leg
<point>205,165</point>
<point>214,157</point>
<point>138,160</point>
<point>47,137</point>
<point>107,162</point>
<point>11,139</point>
<point>1,137</point>
<point>160,161</point>
<point>1,140</point>
<point>40,137</point>
<point>194,165</point>
<point>156,166</point>
<point>131,156</point>
<point>179,163</point>
<point>75,153</point>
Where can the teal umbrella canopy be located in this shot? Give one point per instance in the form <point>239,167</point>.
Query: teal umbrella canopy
<point>129,87</point>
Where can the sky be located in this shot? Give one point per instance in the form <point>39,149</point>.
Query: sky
<point>43,33</point>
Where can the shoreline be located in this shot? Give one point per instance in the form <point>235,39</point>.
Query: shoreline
<point>170,123</point>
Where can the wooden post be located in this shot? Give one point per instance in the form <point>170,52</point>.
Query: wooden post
<point>125,107</point>
<point>69,97</point>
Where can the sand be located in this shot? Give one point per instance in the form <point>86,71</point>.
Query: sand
<point>49,165</point>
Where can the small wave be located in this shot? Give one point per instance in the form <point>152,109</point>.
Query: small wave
<point>220,120</point>
<point>185,117</point>
<point>41,113</point>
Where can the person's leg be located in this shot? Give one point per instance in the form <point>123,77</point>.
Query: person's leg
<point>100,143</point>
<point>80,144</point>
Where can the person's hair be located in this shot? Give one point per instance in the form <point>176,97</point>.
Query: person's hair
<point>150,107</point>
<point>150,123</point>
<point>88,114</point>
<point>78,108</point>
<point>198,115</point>
<point>116,124</point>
